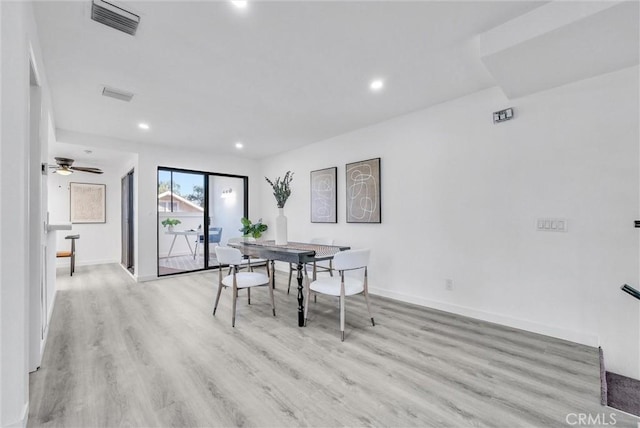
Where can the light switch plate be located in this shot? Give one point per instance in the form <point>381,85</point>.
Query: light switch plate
<point>548,224</point>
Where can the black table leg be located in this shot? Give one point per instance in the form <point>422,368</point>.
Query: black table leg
<point>300,297</point>
<point>273,273</point>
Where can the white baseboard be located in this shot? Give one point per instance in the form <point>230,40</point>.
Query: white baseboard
<point>22,422</point>
<point>65,263</point>
<point>533,327</point>
<point>145,278</point>
<point>559,333</point>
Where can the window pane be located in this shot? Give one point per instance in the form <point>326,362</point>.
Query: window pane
<point>188,192</point>
<point>164,195</point>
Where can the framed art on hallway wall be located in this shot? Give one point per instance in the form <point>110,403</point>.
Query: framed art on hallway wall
<point>88,203</point>
<point>363,192</point>
<point>324,198</point>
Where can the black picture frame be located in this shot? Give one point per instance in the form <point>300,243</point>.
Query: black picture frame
<point>362,190</point>
<point>324,195</point>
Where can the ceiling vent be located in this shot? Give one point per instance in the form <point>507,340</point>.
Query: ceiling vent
<point>114,17</point>
<point>118,94</point>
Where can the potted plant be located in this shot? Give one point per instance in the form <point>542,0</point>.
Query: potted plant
<point>281,188</point>
<point>252,229</point>
<point>170,222</point>
<point>281,191</point>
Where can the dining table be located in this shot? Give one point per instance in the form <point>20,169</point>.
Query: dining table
<point>298,253</point>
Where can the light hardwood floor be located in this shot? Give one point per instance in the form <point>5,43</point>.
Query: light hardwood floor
<point>151,354</point>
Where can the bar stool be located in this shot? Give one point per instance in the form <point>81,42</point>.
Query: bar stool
<point>71,254</point>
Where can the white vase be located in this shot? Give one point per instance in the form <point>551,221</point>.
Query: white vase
<point>281,228</point>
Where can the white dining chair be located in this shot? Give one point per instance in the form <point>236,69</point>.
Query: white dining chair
<point>320,266</point>
<point>249,262</point>
<point>344,285</point>
<point>238,280</point>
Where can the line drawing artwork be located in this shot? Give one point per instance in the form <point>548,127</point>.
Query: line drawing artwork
<point>363,191</point>
<point>323,196</point>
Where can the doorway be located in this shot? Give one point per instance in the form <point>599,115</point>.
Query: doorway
<point>197,211</point>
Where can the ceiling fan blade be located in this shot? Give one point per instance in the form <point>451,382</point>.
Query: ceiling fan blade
<point>86,169</point>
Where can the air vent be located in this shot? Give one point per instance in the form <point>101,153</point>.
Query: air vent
<point>118,94</point>
<point>114,17</point>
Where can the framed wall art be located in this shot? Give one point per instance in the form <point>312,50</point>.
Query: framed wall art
<point>363,192</point>
<point>324,199</point>
<point>88,203</point>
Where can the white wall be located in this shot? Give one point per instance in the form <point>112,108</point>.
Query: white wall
<point>149,159</point>
<point>99,242</point>
<point>19,36</point>
<point>460,199</point>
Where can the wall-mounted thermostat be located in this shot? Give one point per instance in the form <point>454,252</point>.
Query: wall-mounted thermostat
<point>502,115</point>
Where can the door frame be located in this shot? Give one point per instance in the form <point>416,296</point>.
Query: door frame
<point>129,263</point>
<point>206,175</point>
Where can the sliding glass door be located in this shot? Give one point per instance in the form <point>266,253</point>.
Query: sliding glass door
<point>196,211</point>
<point>227,205</point>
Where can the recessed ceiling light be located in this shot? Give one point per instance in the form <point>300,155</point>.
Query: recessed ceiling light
<point>240,4</point>
<point>376,84</point>
<point>239,145</point>
<point>143,126</point>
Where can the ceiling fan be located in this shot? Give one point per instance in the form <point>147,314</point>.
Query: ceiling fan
<point>64,167</point>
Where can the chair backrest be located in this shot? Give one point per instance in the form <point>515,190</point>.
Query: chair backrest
<point>215,234</point>
<point>322,241</point>
<point>228,255</point>
<point>351,259</point>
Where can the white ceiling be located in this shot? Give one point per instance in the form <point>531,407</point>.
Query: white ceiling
<point>280,75</point>
<point>89,156</point>
<point>560,43</point>
<point>276,76</point>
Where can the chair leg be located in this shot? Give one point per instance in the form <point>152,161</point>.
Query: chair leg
<point>366,298</point>
<point>248,296</point>
<point>73,255</point>
<point>290,272</point>
<point>342,316</point>
<point>71,265</point>
<point>233,310</point>
<point>366,295</point>
<point>273,302</point>
<point>215,306</point>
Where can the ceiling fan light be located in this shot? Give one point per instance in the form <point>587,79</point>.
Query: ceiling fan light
<point>64,171</point>
<point>240,4</point>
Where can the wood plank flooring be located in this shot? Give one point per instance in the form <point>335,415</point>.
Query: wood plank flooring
<point>151,354</point>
